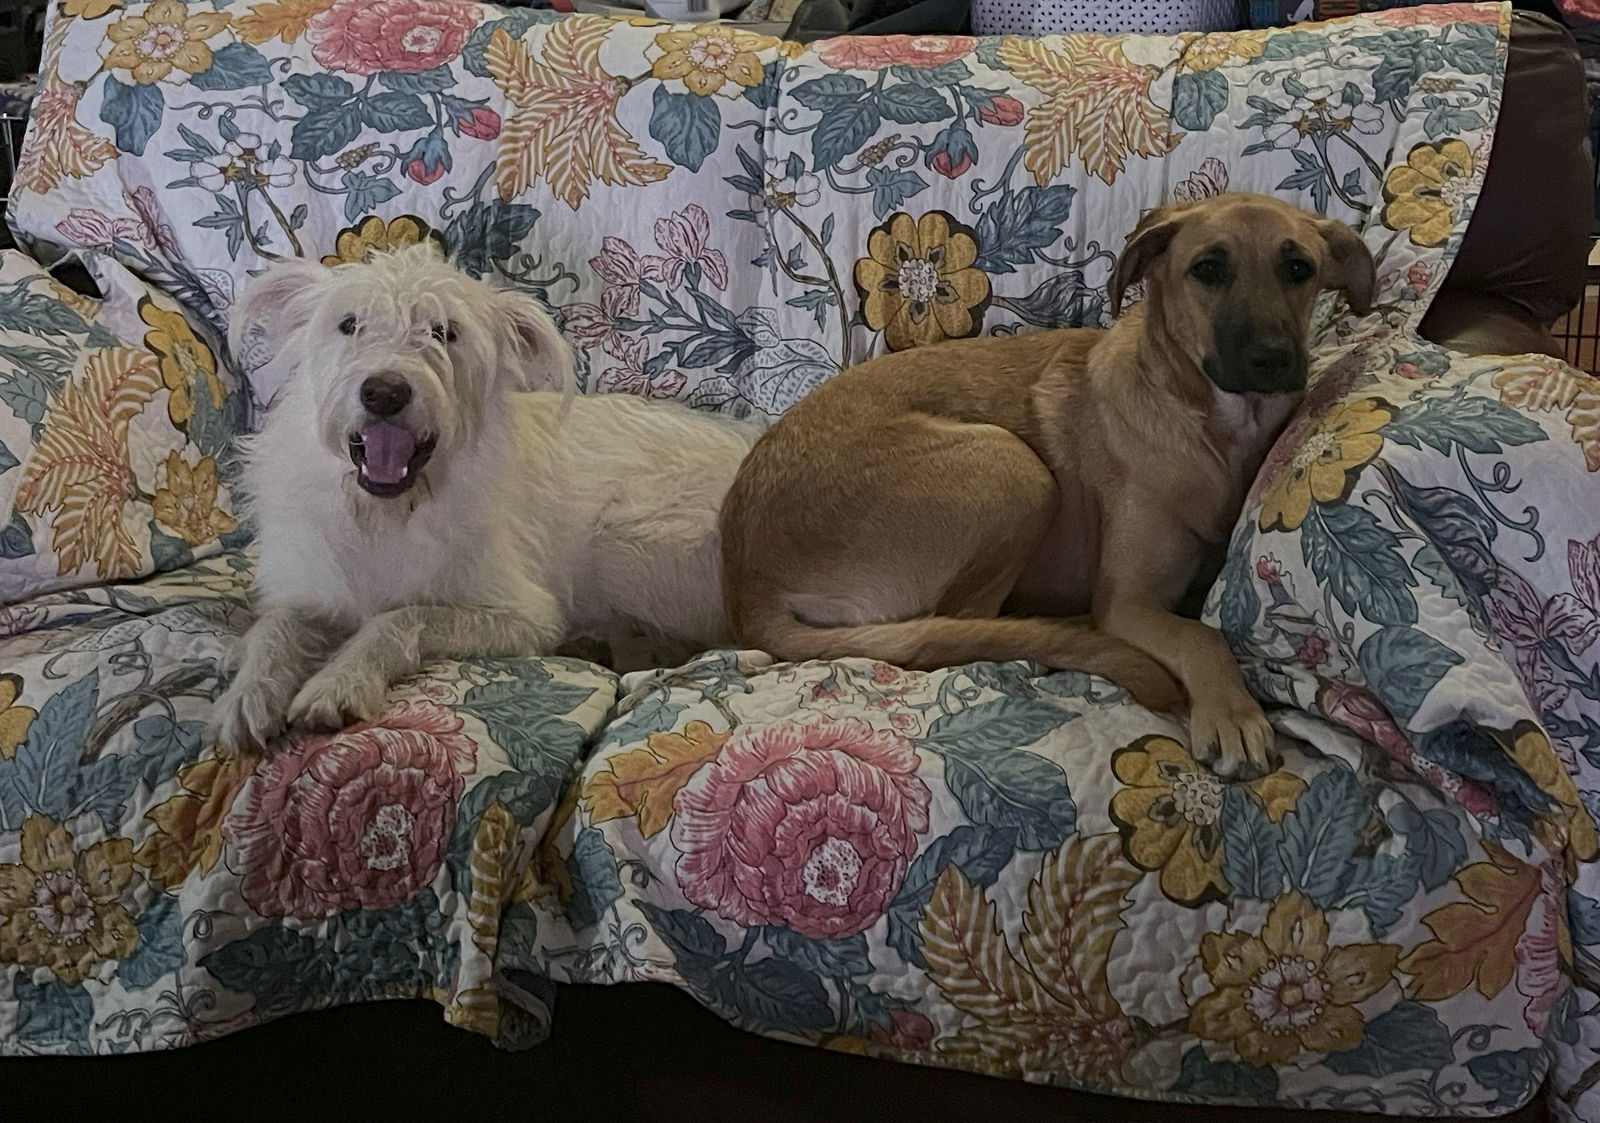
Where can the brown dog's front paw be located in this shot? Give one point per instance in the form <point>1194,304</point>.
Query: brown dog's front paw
<point>1231,735</point>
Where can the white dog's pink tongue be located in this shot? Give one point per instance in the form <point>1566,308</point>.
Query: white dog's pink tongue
<point>387,452</point>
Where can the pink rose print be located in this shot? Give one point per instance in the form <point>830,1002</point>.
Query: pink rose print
<point>810,825</point>
<point>482,123</point>
<point>953,151</point>
<point>1268,569</point>
<point>408,36</point>
<point>876,52</point>
<point>356,819</point>
<point>1001,110</point>
<point>1313,651</point>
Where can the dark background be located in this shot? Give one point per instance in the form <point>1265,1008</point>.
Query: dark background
<point>642,1053</point>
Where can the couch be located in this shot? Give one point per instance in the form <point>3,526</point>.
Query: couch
<point>987,867</point>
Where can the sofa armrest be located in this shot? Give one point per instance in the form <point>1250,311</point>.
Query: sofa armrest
<point>1528,238</point>
<point>1474,323</point>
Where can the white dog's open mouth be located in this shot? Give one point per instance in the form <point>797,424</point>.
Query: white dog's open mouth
<point>388,457</point>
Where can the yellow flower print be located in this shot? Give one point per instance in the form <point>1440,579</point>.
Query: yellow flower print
<point>15,720</point>
<point>1207,52</point>
<point>89,9</point>
<point>373,235</point>
<point>711,58</point>
<point>917,282</point>
<point>188,504</point>
<point>1569,827</point>
<point>183,359</point>
<point>1423,196</point>
<point>1285,992</point>
<point>284,20</point>
<point>61,908</point>
<point>186,834</point>
<point>1170,815</point>
<point>1327,462</point>
<point>163,38</point>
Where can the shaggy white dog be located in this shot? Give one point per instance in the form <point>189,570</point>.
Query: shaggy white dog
<point>425,486</point>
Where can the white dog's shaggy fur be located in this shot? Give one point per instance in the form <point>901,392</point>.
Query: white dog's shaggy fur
<point>539,516</point>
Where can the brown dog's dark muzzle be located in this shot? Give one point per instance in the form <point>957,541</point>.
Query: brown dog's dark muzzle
<point>1254,358</point>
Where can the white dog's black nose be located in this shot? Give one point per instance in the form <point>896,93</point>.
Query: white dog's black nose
<point>384,397</point>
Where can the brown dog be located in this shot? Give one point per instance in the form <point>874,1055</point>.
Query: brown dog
<point>900,507</point>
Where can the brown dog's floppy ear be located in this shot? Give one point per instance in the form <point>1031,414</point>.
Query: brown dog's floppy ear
<point>1148,241</point>
<point>1350,267</point>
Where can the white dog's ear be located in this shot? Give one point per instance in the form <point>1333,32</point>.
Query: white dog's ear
<point>270,303</point>
<point>537,358</point>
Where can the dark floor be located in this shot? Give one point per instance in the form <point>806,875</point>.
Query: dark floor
<point>641,1054</point>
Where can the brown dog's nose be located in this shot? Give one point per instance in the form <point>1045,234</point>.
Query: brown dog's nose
<point>383,396</point>
<point>1270,358</point>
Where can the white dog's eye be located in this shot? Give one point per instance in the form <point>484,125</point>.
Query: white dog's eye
<point>444,333</point>
<point>347,326</point>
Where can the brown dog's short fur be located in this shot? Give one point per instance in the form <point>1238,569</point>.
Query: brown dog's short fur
<point>901,507</point>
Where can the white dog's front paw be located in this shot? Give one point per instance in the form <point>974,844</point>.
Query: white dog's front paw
<point>1232,734</point>
<point>335,698</point>
<point>250,715</point>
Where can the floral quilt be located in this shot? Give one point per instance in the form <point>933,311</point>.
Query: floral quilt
<point>155,894</point>
<point>984,867</point>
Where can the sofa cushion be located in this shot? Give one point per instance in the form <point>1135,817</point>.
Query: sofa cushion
<point>137,865</point>
<point>116,427</point>
<point>1030,876</point>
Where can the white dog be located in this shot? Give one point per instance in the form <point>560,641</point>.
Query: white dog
<point>425,487</point>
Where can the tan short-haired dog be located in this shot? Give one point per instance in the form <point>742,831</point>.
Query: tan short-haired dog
<point>902,506</point>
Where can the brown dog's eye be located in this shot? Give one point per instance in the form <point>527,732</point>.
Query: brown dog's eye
<point>1208,271</point>
<point>444,333</point>
<point>1298,271</point>
<point>347,326</point>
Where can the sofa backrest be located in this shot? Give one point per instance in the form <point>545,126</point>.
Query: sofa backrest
<point>720,217</point>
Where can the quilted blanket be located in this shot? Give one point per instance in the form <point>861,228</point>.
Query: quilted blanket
<point>985,867</point>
